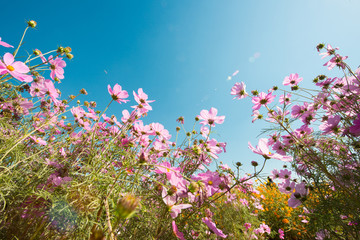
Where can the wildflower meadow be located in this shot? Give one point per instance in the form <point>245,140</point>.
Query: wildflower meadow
<point>70,170</point>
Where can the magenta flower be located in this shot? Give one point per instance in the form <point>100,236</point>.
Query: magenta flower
<point>355,128</point>
<point>281,234</point>
<point>57,67</point>
<point>238,90</point>
<point>213,227</point>
<point>210,118</point>
<point>262,99</point>
<point>4,44</point>
<point>331,125</point>
<point>15,69</point>
<point>118,94</point>
<point>292,80</point>
<point>38,140</point>
<point>247,226</point>
<point>177,233</point>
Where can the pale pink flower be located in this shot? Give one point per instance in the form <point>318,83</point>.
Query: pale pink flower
<point>210,118</point>
<point>118,94</point>
<point>330,51</point>
<point>56,67</point>
<point>213,227</point>
<point>4,44</point>
<point>263,149</point>
<point>143,104</point>
<point>262,99</point>
<point>292,80</point>
<point>170,201</point>
<point>238,90</point>
<point>16,69</point>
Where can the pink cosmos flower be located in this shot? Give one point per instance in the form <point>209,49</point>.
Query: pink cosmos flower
<point>355,128</point>
<point>263,149</point>
<point>285,99</point>
<point>292,80</point>
<point>38,88</point>
<point>159,130</point>
<point>118,94</point>
<point>330,51</point>
<point>210,118</point>
<point>298,196</point>
<point>331,125</point>
<point>38,140</point>
<point>256,114</point>
<point>213,227</point>
<point>262,99</point>
<point>4,44</point>
<point>177,233</point>
<point>170,201</point>
<point>57,67</point>
<point>141,99</point>
<point>15,69</point>
<point>337,60</point>
<point>281,234</point>
<point>247,226</point>
<point>287,186</point>
<point>285,174</point>
<point>238,90</point>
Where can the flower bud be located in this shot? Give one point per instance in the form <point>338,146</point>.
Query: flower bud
<point>254,163</point>
<point>83,91</point>
<point>193,187</point>
<point>32,23</point>
<point>69,55</point>
<point>320,46</point>
<point>254,92</point>
<point>126,206</point>
<point>68,50</point>
<point>36,52</point>
<point>239,164</point>
<point>60,50</point>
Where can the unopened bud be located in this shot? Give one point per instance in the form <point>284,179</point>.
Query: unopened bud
<point>69,55</point>
<point>32,23</point>
<point>254,163</point>
<point>193,187</point>
<point>86,104</point>
<point>126,206</point>
<point>36,52</point>
<point>60,50</point>
<point>68,50</point>
<point>83,91</point>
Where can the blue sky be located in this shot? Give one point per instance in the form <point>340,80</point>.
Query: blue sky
<point>182,52</point>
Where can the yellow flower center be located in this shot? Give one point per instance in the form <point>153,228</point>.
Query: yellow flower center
<point>210,182</point>
<point>10,68</point>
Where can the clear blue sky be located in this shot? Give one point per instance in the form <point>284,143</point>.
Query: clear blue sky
<point>181,52</point>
